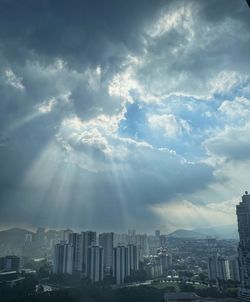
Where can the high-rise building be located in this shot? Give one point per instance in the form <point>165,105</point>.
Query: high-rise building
<point>212,268</point>
<point>120,264</point>
<point>95,263</point>
<point>218,268</point>
<point>74,240</point>
<point>133,258</point>
<point>234,269</point>
<point>63,258</point>
<point>121,239</point>
<point>157,233</point>
<point>106,241</point>
<point>223,268</point>
<point>243,216</point>
<point>165,259</point>
<point>11,263</point>
<point>142,245</point>
<point>66,234</point>
<point>125,260</point>
<point>87,239</point>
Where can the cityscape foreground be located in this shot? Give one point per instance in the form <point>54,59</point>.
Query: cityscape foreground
<point>180,267</point>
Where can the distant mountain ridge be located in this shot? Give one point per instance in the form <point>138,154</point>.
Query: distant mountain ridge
<point>225,231</point>
<point>221,232</point>
<point>14,236</point>
<point>182,233</point>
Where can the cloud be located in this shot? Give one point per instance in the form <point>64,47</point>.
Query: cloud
<point>109,109</point>
<point>169,124</point>
<point>236,109</point>
<point>186,214</point>
<point>190,54</point>
<point>231,143</point>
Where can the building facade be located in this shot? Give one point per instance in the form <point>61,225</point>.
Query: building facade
<point>106,241</point>
<point>87,239</point>
<point>63,258</point>
<point>95,263</point>
<point>75,240</point>
<point>243,217</point>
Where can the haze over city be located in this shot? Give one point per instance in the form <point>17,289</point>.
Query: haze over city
<point>123,114</point>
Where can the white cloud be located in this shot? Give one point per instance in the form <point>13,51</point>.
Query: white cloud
<point>226,81</point>
<point>47,106</point>
<point>169,124</point>
<point>238,108</point>
<point>176,18</point>
<point>186,214</point>
<point>13,80</point>
<point>230,143</point>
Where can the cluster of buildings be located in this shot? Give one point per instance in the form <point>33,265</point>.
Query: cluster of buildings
<point>158,264</point>
<point>95,259</point>
<point>111,255</point>
<point>119,256</point>
<point>222,268</point>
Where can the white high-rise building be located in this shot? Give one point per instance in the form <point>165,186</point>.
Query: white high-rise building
<point>95,263</point>
<point>120,264</point>
<point>125,260</point>
<point>106,241</point>
<point>218,268</point>
<point>63,258</point>
<point>243,216</point>
<point>223,268</point>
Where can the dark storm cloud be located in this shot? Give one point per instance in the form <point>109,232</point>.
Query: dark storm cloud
<point>81,32</point>
<point>57,60</point>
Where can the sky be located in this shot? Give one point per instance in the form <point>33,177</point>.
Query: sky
<point>123,114</point>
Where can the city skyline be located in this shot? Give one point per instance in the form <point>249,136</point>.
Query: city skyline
<point>128,114</point>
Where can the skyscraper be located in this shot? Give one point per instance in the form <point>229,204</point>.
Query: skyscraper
<point>106,241</point>
<point>120,264</point>
<point>74,240</point>
<point>133,258</point>
<point>87,238</point>
<point>223,268</point>
<point>243,216</point>
<point>11,263</point>
<point>95,263</point>
<point>212,268</point>
<point>125,260</point>
<point>142,245</point>
<point>63,258</point>
<point>218,268</point>
<point>234,269</point>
